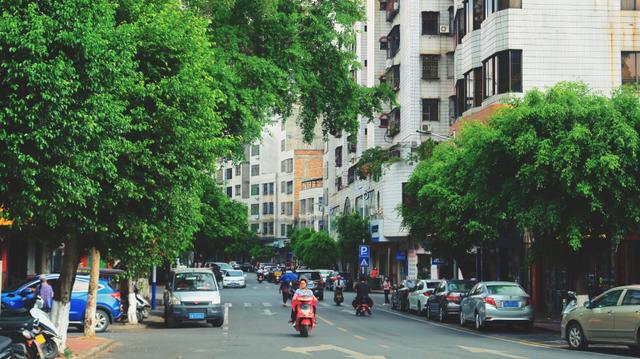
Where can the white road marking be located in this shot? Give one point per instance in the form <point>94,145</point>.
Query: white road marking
<point>225,324</point>
<point>228,305</point>
<point>384,346</point>
<point>329,347</point>
<point>347,311</point>
<point>324,320</point>
<point>342,330</point>
<point>247,305</point>
<point>325,305</point>
<point>359,337</point>
<point>268,312</point>
<point>267,304</point>
<point>492,352</point>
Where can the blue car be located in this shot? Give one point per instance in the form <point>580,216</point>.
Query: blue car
<point>108,301</point>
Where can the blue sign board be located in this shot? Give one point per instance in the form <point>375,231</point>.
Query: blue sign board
<point>363,256</point>
<point>438,262</point>
<point>401,255</point>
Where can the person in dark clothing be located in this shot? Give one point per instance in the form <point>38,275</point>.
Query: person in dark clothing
<point>284,289</point>
<point>362,289</point>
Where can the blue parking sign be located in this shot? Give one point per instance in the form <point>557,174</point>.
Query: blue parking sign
<point>364,251</point>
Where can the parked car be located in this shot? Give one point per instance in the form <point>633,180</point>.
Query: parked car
<point>445,299</point>
<point>235,279</point>
<point>314,282</point>
<point>107,306</point>
<point>223,266</point>
<point>496,302</point>
<point>246,267</point>
<point>611,318</point>
<point>192,295</point>
<point>420,293</point>
<point>217,272</point>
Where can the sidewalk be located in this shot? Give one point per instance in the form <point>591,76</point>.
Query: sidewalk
<point>83,347</point>
<point>549,323</point>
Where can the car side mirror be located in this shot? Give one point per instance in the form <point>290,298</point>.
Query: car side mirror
<point>587,304</point>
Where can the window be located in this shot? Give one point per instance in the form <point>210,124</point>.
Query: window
<point>238,171</point>
<point>393,77</point>
<point>303,206</point>
<point>430,109</point>
<point>289,187</point>
<point>237,190</point>
<point>320,202</point>
<point>267,188</point>
<point>460,97</point>
<point>608,299</point>
<point>450,64</point>
<point>230,191</point>
<point>267,228</point>
<point>338,183</point>
<point>503,73</point>
<point>338,156</point>
<point>288,208</point>
<point>283,230</point>
<point>351,175</point>
<point>452,110</point>
<point>430,67</point>
<point>255,150</point>
<point>383,5</point>
<point>255,227</point>
<point>468,89</point>
<point>630,67</point>
<point>460,25</point>
<point>255,170</point>
<point>430,23</point>
<point>478,13</point>
<point>632,297</point>
<point>267,208</point>
<point>394,122</point>
<point>255,209</point>
<point>468,16</point>
<point>80,286</point>
<point>229,173</point>
<point>310,205</point>
<point>286,166</point>
<point>283,145</point>
<point>629,4</point>
<point>255,189</point>
<point>283,186</point>
<point>384,43</point>
<point>473,87</point>
<point>491,6</point>
<point>394,41</point>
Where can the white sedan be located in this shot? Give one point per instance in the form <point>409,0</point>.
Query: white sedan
<point>234,278</point>
<point>421,292</point>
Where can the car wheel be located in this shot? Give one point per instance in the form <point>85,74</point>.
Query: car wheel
<point>217,323</point>
<point>479,325</point>
<point>443,314</point>
<point>102,321</point>
<point>575,337</point>
<point>463,321</point>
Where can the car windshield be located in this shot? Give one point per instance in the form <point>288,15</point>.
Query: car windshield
<point>432,284</point>
<point>460,286</point>
<point>505,289</point>
<point>309,275</point>
<point>234,273</point>
<point>224,266</point>
<point>192,282</point>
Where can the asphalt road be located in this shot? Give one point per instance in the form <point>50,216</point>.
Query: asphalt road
<point>256,327</point>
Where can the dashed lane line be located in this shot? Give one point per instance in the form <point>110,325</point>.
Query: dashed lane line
<point>267,304</point>
<point>359,337</point>
<point>384,346</point>
<point>324,320</point>
<point>247,305</point>
<point>342,329</point>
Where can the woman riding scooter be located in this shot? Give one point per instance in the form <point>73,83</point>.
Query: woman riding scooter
<point>301,292</point>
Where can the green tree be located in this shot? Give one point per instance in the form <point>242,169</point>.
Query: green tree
<point>320,251</point>
<point>260,252</point>
<point>299,238</point>
<point>353,230</point>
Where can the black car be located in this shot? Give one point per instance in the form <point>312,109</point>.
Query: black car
<point>446,298</point>
<point>216,271</point>
<point>314,281</point>
<point>246,267</point>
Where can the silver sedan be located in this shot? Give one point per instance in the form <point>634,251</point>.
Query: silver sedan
<point>496,302</point>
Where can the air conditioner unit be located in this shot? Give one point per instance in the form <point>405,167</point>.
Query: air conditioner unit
<point>426,127</point>
<point>444,29</point>
<point>396,5</point>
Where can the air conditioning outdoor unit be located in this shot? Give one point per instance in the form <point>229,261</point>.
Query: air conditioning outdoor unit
<point>426,127</point>
<point>444,29</point>
<point>396,5</point>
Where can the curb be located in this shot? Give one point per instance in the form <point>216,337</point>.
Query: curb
<point>93,352</point>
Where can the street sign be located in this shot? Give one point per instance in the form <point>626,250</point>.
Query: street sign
<point>364,251</point>
<point>364,261</point>
<point>401,255</point>
<point>438,262</point>
<point>412,264</point>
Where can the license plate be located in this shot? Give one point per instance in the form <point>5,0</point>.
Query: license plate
<point>40,339</point>
<point>510,304</point>
<point>196,315</point>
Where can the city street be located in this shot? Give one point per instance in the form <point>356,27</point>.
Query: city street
<point>257,326</point>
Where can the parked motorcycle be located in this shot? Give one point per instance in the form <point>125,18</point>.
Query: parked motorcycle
<point>11,350</point>
<point>305,315</point>
<point>143,308</point>
<point>338,297</point>
<point>33,334</point>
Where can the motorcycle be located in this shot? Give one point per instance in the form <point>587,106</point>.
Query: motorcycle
<point>34,336</point>
<point>260,277</point>
<point>362,309</point>
<point>338,297</point>
<point>305,315</point>
<point>10,350</point>
<point>143,308</point>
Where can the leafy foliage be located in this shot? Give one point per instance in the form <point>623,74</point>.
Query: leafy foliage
<point>353,230</point>
<point>314,249</point>
<point>373,160</point>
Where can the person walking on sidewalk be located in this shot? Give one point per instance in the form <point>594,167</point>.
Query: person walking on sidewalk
<point>386,286</point>
<point>45,292</point>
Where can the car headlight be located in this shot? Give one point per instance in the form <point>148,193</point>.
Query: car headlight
<point>175,300</point>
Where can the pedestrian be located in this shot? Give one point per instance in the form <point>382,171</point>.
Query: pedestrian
<point>45,291</point>
<point>284,289</point>
<point>387,289</point>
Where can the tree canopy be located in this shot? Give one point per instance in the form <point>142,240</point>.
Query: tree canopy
<point>353,230</point>
<point>314,249</point>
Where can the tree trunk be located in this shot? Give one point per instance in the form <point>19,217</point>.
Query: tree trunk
<point>90,312</point>
<point>62,297</point>
<point>132,311</point>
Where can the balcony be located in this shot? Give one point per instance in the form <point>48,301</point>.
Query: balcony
<point>393,77</point>
<point>394,122</point>
<point>384,120</point>
<point>393,7</point>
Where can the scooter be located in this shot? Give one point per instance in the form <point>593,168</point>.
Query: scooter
<point>143,308</point>
<point>362,309</point>
<point>569,302</point>
<point>33,336</point>
<point>338,298</point>
<point>11,350</point>
<point>260,277</point>
<point>305,315</point>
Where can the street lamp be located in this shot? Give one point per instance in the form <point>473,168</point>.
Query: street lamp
<point>429,133</point>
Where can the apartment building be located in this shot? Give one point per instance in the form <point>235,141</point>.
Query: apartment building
<point>270,180</point>
<point>407,45</point>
